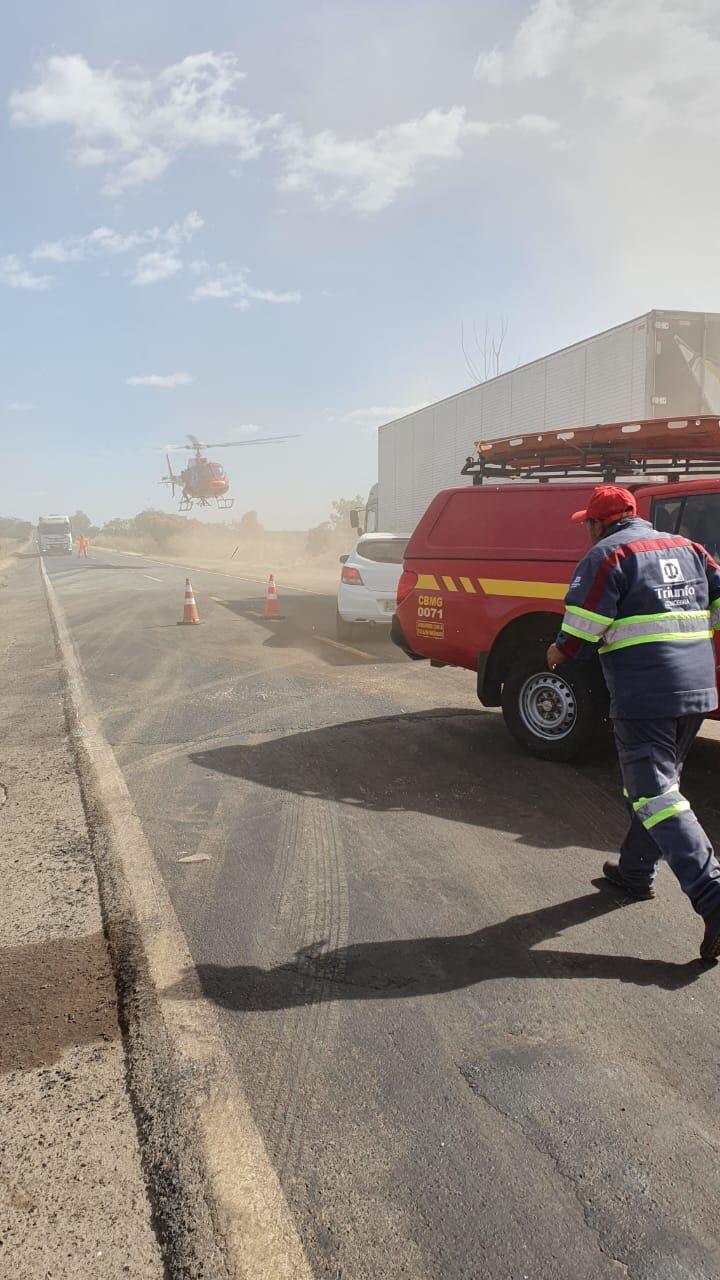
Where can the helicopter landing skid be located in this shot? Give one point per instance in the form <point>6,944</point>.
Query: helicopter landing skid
<point>186,504</point>
<point>224,504</point>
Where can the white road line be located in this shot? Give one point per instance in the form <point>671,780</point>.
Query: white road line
<point>254,1220</point>
<point>337,644</point>
<point>151,579</point>
<point>218,573</point>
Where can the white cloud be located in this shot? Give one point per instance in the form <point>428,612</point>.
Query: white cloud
<point>247,429</point>
<point>160,380</point>
<point>649,59</point>
<point>96,244</point>
<point>15,276</point>
<point>269,295</point>
<point>133,126</point>
<point>154,266</point>
<point>224,286</point>
<point>368,173</point>
<point>633,87</point>
<point>371,418</point>
<point>234,284</point>
<point>539,43</point>
<point>534,123</point>
<point>18,406</point>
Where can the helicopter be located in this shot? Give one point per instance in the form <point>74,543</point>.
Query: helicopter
<point>205,482</point>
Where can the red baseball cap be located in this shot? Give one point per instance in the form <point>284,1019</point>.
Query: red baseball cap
<point>607,502</point>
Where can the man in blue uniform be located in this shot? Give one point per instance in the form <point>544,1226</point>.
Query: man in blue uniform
<point>650,602</point>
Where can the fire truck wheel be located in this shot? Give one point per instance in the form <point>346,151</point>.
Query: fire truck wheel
<point>557,715</point>
<point>343,630</point>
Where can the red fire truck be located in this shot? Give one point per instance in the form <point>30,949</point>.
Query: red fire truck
<point>487,568</point>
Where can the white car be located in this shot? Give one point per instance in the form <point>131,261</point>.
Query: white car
<point>368,582</point>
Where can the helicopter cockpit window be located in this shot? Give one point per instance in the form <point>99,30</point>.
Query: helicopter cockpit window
<point>216,469</point>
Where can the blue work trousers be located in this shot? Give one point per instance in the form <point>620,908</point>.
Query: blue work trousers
<point>663,825</point>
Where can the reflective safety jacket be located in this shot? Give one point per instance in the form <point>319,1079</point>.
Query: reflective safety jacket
<point>650,602</point>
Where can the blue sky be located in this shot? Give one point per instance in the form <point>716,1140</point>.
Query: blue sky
<point>282,215</point>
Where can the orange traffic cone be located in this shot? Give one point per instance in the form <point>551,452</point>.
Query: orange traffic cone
<point>190,613</point>
<point>272,607</point>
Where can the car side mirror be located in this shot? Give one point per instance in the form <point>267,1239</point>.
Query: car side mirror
<point>344,559</point>
<point>355,519</point>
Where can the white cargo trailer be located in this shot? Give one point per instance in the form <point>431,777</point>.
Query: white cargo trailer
<point>658,365</point>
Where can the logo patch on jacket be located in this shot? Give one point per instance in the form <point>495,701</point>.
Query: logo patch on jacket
<point>671,571</point>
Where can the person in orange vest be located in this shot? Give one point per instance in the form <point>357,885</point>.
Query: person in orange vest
<point>83,544</point>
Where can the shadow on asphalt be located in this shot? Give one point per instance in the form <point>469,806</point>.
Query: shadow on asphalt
<point>434,966</point>
<point>449,763</point>
<point>459,765</point>
<point>306,617</point>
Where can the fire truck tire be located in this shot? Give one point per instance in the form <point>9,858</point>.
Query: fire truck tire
<point>343,630</point>
<point>556,715</point>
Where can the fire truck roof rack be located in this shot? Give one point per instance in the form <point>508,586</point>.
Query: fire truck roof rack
<point>649,447</point>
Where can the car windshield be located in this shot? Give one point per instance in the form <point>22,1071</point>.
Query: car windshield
<point>382,551</point>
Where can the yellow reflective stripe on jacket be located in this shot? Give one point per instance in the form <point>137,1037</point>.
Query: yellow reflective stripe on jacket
<point>653,628</point>
<point>584,624</point>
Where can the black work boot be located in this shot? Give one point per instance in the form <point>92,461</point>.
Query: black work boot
<point>612,872</point>
<point>710,946</point>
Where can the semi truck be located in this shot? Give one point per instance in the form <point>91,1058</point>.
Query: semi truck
<point>54,535</point>
<point>661,364</point>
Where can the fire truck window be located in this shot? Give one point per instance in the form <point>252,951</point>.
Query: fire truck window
<point>665,514</point>
<point>390,551</point>
<point>700,520</point>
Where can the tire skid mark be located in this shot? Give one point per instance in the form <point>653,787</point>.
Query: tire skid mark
<point>310,915</point>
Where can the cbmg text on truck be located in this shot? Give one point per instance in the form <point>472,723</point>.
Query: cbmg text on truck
<point>488,566</point>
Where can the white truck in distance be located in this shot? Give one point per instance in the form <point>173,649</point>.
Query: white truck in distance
<point>663,364</point>
<point>54,536</point>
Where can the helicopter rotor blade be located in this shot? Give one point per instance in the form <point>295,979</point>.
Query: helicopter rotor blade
<point>195,444</point>
<point>235,444</point>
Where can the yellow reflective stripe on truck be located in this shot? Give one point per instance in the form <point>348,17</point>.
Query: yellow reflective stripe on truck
<point>494,586</point>
<point>512,587</point>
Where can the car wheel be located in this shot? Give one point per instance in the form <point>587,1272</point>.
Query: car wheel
<point>343,630</point>
<point>556,715</point>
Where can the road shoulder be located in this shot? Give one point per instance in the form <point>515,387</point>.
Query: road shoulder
<point>72,1192</point>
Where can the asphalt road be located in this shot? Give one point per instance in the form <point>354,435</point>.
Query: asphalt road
<point>467,1061</point>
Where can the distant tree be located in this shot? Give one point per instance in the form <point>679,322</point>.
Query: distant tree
<point>248,526</point>
<point>116,526</point>
<point>340,511</point>
<point>11,527</point>
<point>318,539</point>
<point>80,522</point>
<point>160,526</point>
<point>486,359</point>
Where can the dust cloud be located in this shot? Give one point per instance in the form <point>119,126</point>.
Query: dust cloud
<point>299,557</point>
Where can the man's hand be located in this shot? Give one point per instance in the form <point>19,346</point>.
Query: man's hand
<point>555,657</point>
